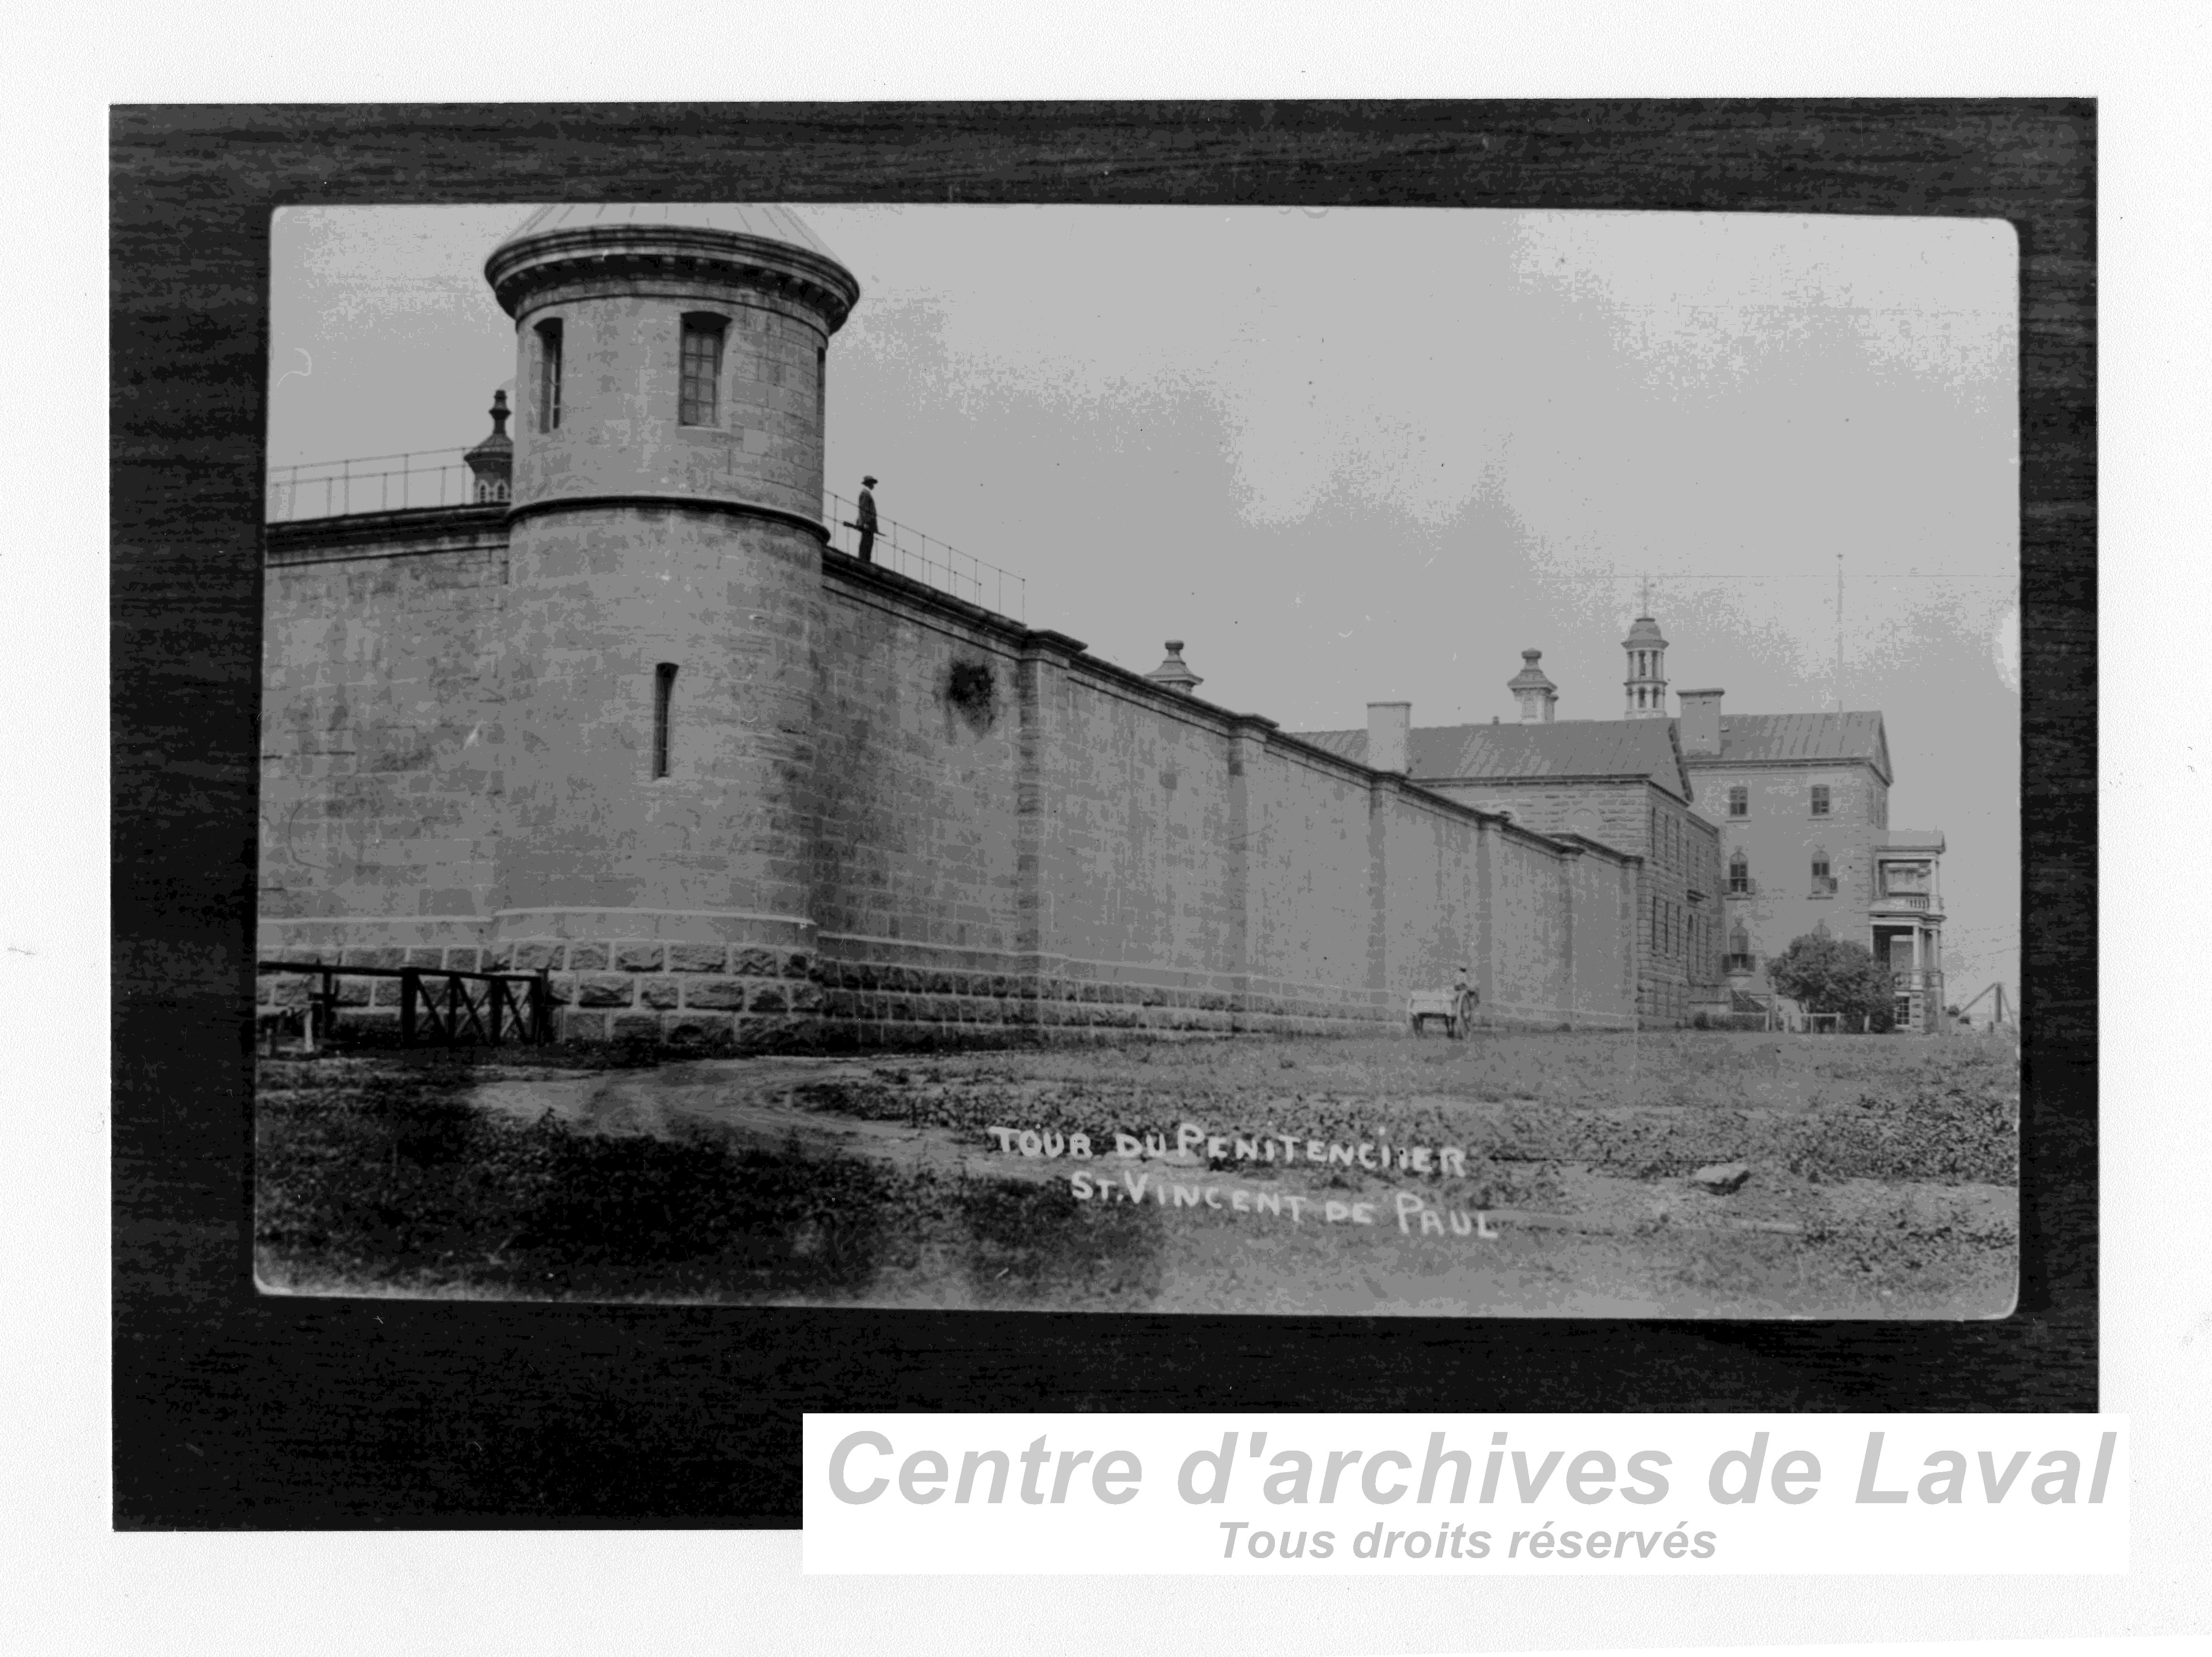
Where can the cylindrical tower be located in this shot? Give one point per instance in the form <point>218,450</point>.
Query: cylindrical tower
<point>663,606</point>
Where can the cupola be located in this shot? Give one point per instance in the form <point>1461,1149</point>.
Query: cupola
<point>1533,689</point>
<point>1647,671</point>
<point>491,463</point>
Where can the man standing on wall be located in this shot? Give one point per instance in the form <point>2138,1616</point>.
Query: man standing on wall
<point>865,521</point>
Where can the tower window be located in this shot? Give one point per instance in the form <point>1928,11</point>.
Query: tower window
<point>1740,875</point>
<point>1824,882</point>
<point>822,389</point>
<point>703,370</point>
<point>1820,799</point>
<point>1739,801</point>
<point>664,694</point>
<point>549,376</point>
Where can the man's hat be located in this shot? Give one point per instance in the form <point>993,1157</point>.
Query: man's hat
<point>868,483</point>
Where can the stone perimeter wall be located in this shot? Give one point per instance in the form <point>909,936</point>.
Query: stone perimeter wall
<point>1017,842</point>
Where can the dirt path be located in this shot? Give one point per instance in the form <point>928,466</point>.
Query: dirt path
<point>1600,1244</point>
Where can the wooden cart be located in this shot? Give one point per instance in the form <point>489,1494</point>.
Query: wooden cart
<point>1456,1007</point>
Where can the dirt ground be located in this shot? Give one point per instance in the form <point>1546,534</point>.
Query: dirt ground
<point>1539,1174</point>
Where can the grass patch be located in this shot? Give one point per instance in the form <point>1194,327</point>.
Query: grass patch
<point>390,1179</point>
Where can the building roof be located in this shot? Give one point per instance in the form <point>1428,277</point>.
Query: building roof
<point>768,221</point>
<point>1563,748</point>
<point>1750,738</point>
<point>1909,840</point>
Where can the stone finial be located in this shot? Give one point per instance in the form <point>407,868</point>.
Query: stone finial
<point>1173,673</point>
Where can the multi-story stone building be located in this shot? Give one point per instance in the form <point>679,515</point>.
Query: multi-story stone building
<point>1750,830</point>
<point>1801,801</point>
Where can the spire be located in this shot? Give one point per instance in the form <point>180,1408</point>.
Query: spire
<point>1173,674</point>
<point>491,463</point>
<point>1534,689</point>
<point>1646,683</point>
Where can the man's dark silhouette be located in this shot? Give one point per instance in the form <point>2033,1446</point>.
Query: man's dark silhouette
<point>865,521</point>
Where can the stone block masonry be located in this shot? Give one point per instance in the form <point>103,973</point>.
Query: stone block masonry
<point>1013,842</point>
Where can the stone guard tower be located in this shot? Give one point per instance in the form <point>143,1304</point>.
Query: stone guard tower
<point>656,666</point>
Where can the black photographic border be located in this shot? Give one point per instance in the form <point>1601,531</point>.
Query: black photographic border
<point>234,1410</point>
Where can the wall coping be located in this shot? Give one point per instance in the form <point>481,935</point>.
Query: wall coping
<point>293,541</point>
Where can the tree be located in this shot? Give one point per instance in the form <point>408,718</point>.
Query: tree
<point>1829,974</point>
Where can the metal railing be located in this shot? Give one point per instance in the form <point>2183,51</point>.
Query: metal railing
<point>926,559</point>
<point>509,1004</point>
<point>441,478</point>
<point>339,489</point>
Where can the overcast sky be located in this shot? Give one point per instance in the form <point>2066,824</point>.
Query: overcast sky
<point>1362,454</point>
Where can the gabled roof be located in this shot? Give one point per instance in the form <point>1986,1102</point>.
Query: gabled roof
<point>1748,738</point>
<point>1565,748</point>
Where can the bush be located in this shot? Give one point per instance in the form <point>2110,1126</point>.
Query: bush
<point>1824,974</point>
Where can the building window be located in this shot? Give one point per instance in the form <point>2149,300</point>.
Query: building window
<point>664,694</point>
<point>699,400</point>
<point>1824,882</point>
<point>1739,801</point>
<point>1820,799</point>
<point>1740,958</point>
<point>822,389</point>
<point>1740,875</point>
<point>549,376</point>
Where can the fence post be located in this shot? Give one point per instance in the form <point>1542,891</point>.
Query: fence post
<point>409,986</point>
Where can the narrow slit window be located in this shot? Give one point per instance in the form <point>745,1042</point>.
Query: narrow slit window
<point>702,371</point>
<point>664,696</point>
<point>822,389</point>
<point>549,376</point>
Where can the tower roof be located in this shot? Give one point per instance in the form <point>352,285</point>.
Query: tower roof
<point>499,446</point>
<point>767,222</point>
<point>1531,676</point>
<point>1643,633</point>
<point>755,244</point>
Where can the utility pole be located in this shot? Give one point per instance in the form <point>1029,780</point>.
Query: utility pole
<point>1839,632</point>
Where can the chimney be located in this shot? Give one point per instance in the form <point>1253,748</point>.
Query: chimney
<point>1534,692</point>
<point>1172,674</point>
<point>1701,724</point>
<point>1390,737</point>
